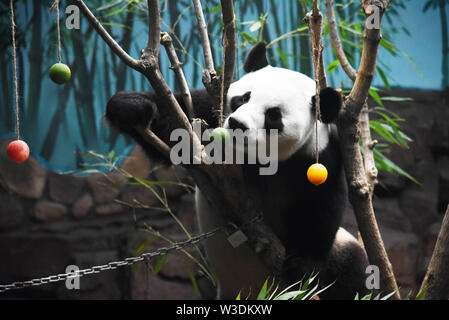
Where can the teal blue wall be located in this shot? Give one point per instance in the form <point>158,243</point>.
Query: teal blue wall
<point>423,45</point>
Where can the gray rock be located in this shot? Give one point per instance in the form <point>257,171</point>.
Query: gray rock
<point>138,194</point>
<point>137,163</point>
<point>82,206</point>
<point>146,286</point>
<point>49,211</point>
<point>173,180</point>
<point>402,249</point>
<point>389,214</point>
<point>64,188</point>
<point>27,179</point>
<point>109,208</point>
<point>11,211</point>
<point>106,186</point>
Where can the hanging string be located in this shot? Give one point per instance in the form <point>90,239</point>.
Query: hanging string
<point>317,115</point>
<point>223,68</point>
<point>316,68</point>
<point>14,58</point>
<point>56,6</point>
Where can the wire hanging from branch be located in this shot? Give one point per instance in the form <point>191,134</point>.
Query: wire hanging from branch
<point>18,150</point>
<point>14,59</point>
<point>53,7</point>
<point>60,73</point>
<point>317,173</point>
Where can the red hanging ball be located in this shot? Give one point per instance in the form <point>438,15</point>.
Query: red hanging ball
<point>18,151</point>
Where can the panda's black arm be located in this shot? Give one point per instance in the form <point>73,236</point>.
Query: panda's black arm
<point>129,110</point>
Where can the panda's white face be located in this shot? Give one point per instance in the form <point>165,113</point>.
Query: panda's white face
<point>275,98</point>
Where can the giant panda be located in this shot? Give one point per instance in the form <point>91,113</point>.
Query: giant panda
<point>306,218</point>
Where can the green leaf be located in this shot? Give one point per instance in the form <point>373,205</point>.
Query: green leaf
<point>282,56</point>
<point>263,292</point>
<point>383,77</point>
<point>194,283</point>
<point>110,5</point>
<point>216,9</point>
<point>367,297</point>
<point>373,93</point>
<point>396,99</point>
<point>290,295</point>
<point>159,264</point>
<point>383,163</point>
<point>388,296</point>
<point>333,65</point>
<point>389,47</point>
<point>422,294</point>
<point>251,39</point>
<point>145,244</point>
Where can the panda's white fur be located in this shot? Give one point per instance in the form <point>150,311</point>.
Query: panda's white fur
<point>268,88</point>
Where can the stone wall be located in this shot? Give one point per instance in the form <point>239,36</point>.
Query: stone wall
<point>49,221</point>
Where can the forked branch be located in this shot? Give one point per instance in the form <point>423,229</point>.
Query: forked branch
<point>348,128</point>
<point>367,143</point>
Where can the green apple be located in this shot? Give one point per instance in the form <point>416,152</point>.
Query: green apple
<point>60,73</point>
<point>220,133</point>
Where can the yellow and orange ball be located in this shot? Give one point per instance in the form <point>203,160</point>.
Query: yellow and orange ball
<point>317,174</point>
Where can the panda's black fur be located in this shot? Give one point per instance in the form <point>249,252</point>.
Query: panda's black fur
<point>304,217</point>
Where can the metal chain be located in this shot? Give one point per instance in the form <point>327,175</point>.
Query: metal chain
<point>111,265</point>
<point>126,262</point>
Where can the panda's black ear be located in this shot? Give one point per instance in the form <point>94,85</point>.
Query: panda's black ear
<point>331,102</point>
<point>256,59</point>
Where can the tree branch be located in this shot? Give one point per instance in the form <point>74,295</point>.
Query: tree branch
<point>229,43</point>
<point>349,133</point>
<point>436,281</point>
<point>115,47</point>
<point>336,42</point>
<point>314,20</point>
<point>155,141</point>
<point>176,66</point>
<point>202,27</point>
<point>367,143</point>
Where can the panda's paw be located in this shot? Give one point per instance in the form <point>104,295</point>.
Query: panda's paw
<point>127,110</point>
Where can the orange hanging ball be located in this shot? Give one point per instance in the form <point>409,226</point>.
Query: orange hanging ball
<point>317,174</point>
<point>18,151</point>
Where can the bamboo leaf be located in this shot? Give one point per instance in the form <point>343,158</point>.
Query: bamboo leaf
<point>159,264</point>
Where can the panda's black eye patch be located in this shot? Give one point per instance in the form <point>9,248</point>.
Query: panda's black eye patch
<point>273,119</point>
<point>237,101</point>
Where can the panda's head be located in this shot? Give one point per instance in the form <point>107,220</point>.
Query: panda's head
<point>276,98</point>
